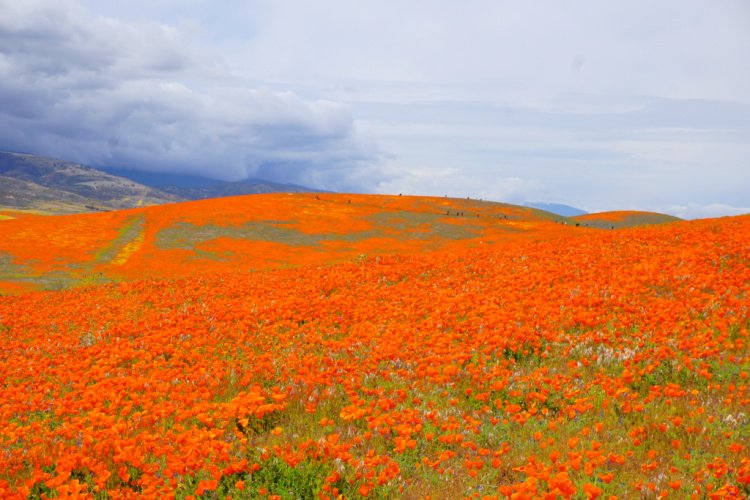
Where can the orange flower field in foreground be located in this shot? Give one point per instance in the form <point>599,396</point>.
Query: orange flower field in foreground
<point>557,362</point>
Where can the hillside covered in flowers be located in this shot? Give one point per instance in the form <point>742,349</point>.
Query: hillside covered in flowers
<point>372,347</point>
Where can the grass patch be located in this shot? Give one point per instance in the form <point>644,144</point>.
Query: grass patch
<point>124,243</point>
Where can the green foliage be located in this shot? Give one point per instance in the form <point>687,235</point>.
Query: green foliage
<point>301,482</point>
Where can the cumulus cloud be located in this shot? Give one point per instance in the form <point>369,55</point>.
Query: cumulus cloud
<point>140,94</point>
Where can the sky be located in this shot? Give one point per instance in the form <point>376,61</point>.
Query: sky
<point>623,104</point>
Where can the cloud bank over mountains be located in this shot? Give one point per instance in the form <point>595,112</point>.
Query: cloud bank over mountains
<point>602,105</point>
<point>140,94</point>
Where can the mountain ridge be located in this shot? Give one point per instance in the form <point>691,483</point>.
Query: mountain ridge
<point>194,187</point>
<point>59,186</point>
<point>556,208</point>
<point>53,185</point>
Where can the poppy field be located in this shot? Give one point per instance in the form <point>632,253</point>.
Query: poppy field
<point>247,233</point>
<point>372,347</point>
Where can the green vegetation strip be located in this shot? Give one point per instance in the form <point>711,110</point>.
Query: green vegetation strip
<point>129,232</point>
<point>22,274</point>
<point>10,271</point>
<point>402,225</point>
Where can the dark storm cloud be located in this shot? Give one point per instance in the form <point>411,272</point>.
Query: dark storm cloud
<point>139,95</point>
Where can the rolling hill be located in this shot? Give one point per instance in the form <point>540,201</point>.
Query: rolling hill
<point>251,232</point>
<point>623,218</point>
<point>31,182</point>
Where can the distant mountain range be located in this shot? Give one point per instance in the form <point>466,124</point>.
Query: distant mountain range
<point>191,187</point>
<point>33,182</point>
<point>557,208</point>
